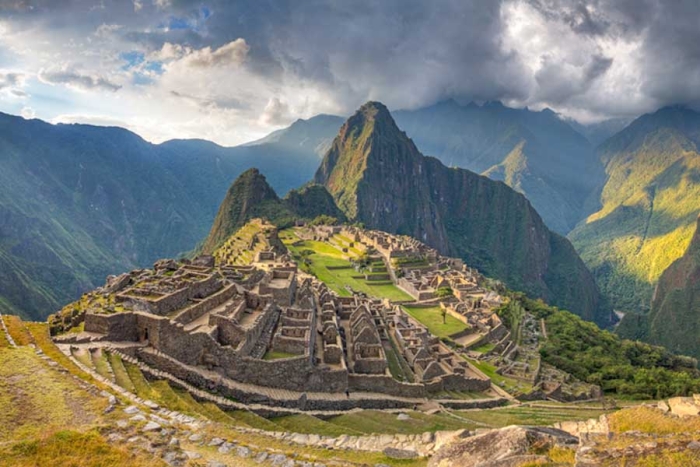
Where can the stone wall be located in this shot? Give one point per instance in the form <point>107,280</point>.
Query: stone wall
<point>195,311</point>
<point>117,327</point>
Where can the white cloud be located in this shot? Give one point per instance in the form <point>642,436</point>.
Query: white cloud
<point>276,113</point>
<point>28,113</point>
<point>233,53</point>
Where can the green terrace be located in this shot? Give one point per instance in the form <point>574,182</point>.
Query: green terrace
<point>432,318</point>
<point>334,268</point>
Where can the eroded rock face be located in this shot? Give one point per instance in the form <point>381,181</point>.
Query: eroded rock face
<point>504,447</point>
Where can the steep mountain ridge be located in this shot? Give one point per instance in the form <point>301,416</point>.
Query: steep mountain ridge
<point>378,177</point>
<point>250,197</point>
<point>674,318</point>
<point>558,169</point>
<point>648,205</point>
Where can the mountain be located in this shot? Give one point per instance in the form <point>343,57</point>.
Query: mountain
<point>377,176</point>
<point>79,202</point>
<point>311,136</point>
<point>535,153</point>
<point>648,205</point>
<point>674,319</point>
<point>250,196</point>
<point>597,133</point>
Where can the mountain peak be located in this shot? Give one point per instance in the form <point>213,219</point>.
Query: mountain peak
<point>247,194</point>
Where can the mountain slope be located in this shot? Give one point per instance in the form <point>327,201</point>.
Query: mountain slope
<point>649,205</point>
<point>556,166</point>
<point>250,196</point>
<point>79,202</point>
<point>377,176</point>
<point>674,319</point>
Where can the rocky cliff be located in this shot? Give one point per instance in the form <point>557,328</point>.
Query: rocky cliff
<point>377,176</point>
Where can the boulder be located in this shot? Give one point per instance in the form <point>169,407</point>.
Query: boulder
<point>503,447</point>
<point>116,283</point>
<point>663,406</point>
<point>683,406</point>
<point>394,453</point>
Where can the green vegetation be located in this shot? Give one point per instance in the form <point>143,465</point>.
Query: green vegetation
<point>621,367</point>
<point>250,197</point>
<point>497,232</point>
<point>512,385</point>
<point>432,318</point>
<point>650,203</point>
<point>545,414</point>
<point>326,262</point>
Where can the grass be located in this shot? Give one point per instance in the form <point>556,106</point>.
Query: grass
<point>68,448</point>
<point>484,348</point>
<point>311,425</point>
<point>432,319</point>
<point>524,415</point>
<point>509,384</point>
<point>101,364</point>
<point>121,377</point>
<point>370,421</point>
<point>18,331</point>
<point>328,264</point>
<point>649,420</point>
<point>253,420</point>
<point>35,397</point>
<point>275,355</point>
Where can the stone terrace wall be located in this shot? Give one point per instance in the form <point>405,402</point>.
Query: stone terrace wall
<point>117,327</point>
<point>196,311</point>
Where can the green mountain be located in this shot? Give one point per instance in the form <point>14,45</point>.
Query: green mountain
<point>674,319</point>
<point>647,206</point>
<point>250,197</point>
<point>79,202</point>
<point>536,153</point>
<point>377,176</point>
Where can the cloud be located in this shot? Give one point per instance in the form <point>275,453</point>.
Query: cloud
<point>28,113</point>
<point>211,69</point>
<point>233,53</point>
<point>77,80</point>
<point>276,113</point>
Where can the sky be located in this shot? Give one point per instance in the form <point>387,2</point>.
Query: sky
<point>232,71</point>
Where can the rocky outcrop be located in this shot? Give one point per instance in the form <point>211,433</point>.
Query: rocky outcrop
<point>510,446</point>
<point>378,177</point>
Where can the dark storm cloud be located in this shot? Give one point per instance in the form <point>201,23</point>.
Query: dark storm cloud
<point>410,53</point>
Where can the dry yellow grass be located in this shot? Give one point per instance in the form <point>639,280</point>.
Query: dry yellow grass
<point>649,420</point>
<point>15,326</point>
<point>67,448</point>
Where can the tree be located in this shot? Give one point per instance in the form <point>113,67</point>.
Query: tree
<point>443,312</point>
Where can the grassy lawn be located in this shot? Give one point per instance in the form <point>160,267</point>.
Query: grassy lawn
<point>432,319</point>
<point>303,423</point>
<point>509,384</point>
<point>523,415</point>
<point>324,255</point>
<point>275,355</point>
<point>370,421</point>
<point>484,348</point>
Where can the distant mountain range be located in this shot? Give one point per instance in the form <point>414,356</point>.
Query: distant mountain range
<point>79,202</point>
<point>378,177</point>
